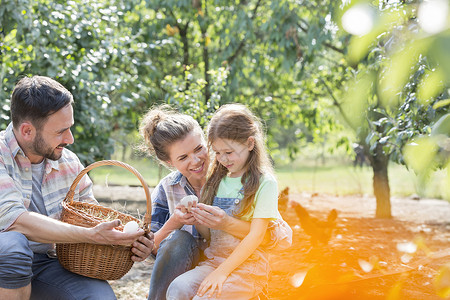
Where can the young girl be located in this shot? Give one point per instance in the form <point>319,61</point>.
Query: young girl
<point>241,182</point>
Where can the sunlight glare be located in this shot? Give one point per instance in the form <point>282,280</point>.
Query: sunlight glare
<point>433,15</point>
<point>409,247</point>
<point>442,281</point>
<point>297,279</point>
<point>365,265</point>
<point>406,258</point>
<point>358,20</point>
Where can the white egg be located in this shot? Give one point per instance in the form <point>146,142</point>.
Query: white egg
<point>131,226</point>
<point>189,201</point>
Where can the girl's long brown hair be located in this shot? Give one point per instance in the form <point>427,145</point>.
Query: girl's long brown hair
<point>237,123</point>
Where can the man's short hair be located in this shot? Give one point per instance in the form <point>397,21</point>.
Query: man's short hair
<point>35,98</point>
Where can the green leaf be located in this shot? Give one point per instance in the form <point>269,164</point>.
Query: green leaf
<point>398,70</point>
<point>439,53</point>
<point>431,86</point>
<point>441,103</point>
<point>420,154</point>
<point>356,98</point>
<point>442,126</point>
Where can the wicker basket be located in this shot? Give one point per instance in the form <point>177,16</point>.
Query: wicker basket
<point>106,262</point>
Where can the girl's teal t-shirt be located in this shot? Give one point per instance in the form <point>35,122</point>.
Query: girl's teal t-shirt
<point>265,205</point>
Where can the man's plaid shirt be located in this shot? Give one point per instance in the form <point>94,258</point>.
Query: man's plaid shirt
<point>16,181</point>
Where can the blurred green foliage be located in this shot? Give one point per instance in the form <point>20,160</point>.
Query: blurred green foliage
<point>288,60</point>
<point>88,47</point>
<point>402,83</point>
<point>120,57</point>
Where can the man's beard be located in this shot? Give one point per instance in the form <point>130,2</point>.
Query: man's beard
<point>41,148</point>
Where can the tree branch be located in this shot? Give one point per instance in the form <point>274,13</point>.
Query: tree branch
<point>185,42</point>
<point>184,39</point>
<point>326,44</point>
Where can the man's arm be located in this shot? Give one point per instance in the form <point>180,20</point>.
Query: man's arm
<point>40,228</point>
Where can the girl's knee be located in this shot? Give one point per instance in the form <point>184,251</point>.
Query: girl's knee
<point>179,289</point>
<point>174,290</point>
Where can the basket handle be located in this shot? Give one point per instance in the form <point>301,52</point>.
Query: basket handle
<point>71,192</point>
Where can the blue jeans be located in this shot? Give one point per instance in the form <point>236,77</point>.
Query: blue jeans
<point>49,280</point>
<point>177,254</point>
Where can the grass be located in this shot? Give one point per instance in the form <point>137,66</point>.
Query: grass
<point>113,175</point>
<point>338,179</point>
<point>346,180</point>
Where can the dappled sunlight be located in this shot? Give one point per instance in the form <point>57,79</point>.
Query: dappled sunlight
<point>442,281</point>
<point>298,278</point>
<point>364,259</point>
<point>359,19</point>
<point>433,15</point>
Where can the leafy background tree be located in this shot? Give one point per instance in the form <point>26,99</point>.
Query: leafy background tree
<point>120,57</point>
<point>400,89</point>
<point>308,79</point>
<point>88,47</point>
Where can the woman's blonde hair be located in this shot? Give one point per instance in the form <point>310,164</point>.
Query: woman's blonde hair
<point>161,126</point>
<point>237,123</point>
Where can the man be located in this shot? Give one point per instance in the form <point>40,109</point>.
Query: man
<point>36,171</point>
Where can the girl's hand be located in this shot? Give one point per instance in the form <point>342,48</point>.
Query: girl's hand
<point>185,218</point>
<point>210,216</point>
<point>212,282</point>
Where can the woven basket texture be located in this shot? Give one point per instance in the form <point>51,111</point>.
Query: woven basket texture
<point>106,262</point>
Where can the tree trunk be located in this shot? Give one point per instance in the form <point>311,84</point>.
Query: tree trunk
<point>185,41</point>
<point>207,77</point>
<point>206,62</point>
<point>381,189</point>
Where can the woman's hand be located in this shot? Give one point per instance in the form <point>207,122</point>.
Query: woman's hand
<point>212,282</point>
<point>182,217</point>
<point>210,216</point>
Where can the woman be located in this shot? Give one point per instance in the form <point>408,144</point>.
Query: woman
<point>177,141</point>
